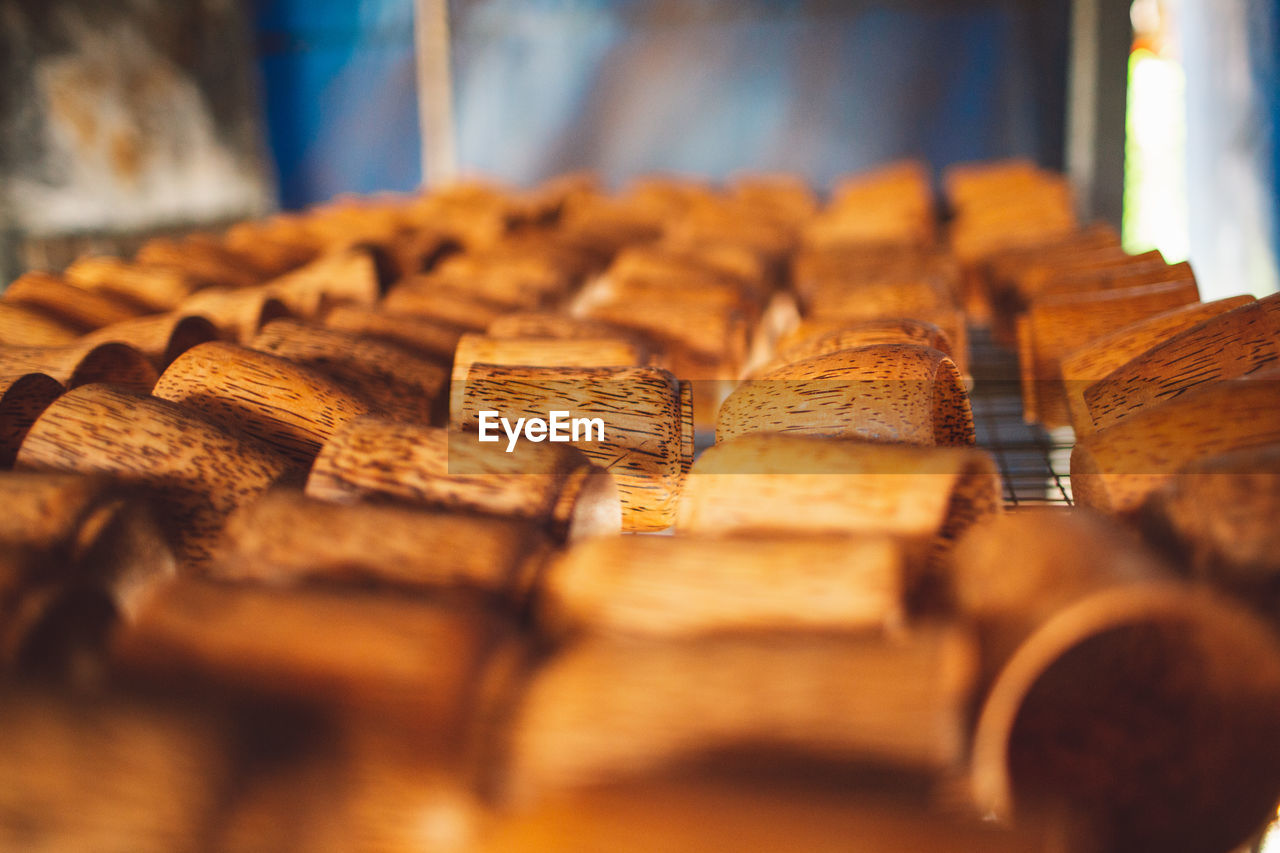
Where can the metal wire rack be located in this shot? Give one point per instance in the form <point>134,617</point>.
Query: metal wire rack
<point>1033,462</point>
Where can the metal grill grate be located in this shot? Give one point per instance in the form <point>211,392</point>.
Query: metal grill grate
<point>1033,462</point>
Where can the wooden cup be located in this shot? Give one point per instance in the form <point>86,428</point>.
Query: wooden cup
<point>553,485</point>
<point>400,383</point>
<point>647,441</point>
<point>289,407</point>
<point>1103,669</point>
<point>22,398</point>
<point>160,337</point>
<point>81,363</point>
<point>200,471</point>
<point>886,392</point>
<point>236,314</point>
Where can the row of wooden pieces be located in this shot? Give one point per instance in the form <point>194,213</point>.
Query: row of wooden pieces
<point>489,655</point>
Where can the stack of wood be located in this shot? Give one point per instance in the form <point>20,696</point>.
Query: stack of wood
<point>272,582</point>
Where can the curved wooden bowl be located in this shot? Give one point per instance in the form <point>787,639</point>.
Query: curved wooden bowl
<point>806,343</point>
<point>1108,669</point>
<point>348,276</point>
<point>1114,469</point>
<point>1057,325</point>
<point>554,485</point>
<point>925,496</point>
<point>544,352</point>
<point>1237,343</point>
<point>26,327</point>
<point>76,306</point>
<point>22,398</point>
<point>686,585</point>
<point>201,472</point>
<point>154,287</point>
<point>887,392</point>
<point>1093,361</point>
<point>160,337</point>
<point>288,406</point>
<point>648,427</point>
<point>81,363</point>
<point>606,709</point>
<point>238,315</point>
<point>399,383</point>
<point>427,338</point>
<point>286,538</point>
<point>951,322</point>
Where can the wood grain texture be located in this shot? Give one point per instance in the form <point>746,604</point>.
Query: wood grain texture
<point>79,308</point>
<point>1057,325</point>
<point>686,585</point>
<point>81,363</point>
<point>286,538</point>
<point>552,484</point>
<point>924,496</point>
<point>398,382</point>
<point>415,297</point>
<point>1107,668</point>
<point>607,709</point>
<point>1216,519</point>
<point>890,298</point>
<point>200,471</point>
<point>22,398</point>
<point>886,392</point>
<point>25,327</point>
<point>289,407</point>
<point>1114,469</point>
<point>1097,358</point>
<point>1239,342</point>
<point>160,337</point>
<point>425,337</point>
<point>157,288</point>
<point>952,322</point>
<point>644,415</point>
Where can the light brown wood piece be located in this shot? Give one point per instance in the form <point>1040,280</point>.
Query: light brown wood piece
<point>156,288</point>
<point>1238,343</point>
<point>425,337</point>
<point>927,496</point>
<point>885,392</point>
<point>684,585</point>
<point>109,774</point>
<point>200,472</point>
<point>79,308</point>
<point>415,661</point>
<point>416,297</point>
<point>805,343</point>
<point>22,398</point>
<point>1097,358</point>
<point>642,410</point>
<point>236,314</point>
<point>950,322</point>
<point>81,363</point>
<point>1057,325</point>
<point>1216,517</point>
<point>160,337</point>
<point>398,382</point>
<point>26,327</point>
<point>1114,469</point>
<point>553,485</point>
<point>606,709</point>
<point>286,538</point>
<point>201,260</point>
<point>343,277</point>
<point>544,352</point>
<point>291,408</point>
<point>695,814</point>
<point>1107,668</point>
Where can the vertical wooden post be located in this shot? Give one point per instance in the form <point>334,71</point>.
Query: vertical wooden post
<point>435,91</point>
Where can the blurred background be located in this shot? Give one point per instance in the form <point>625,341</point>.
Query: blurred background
<point>124,118</point>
